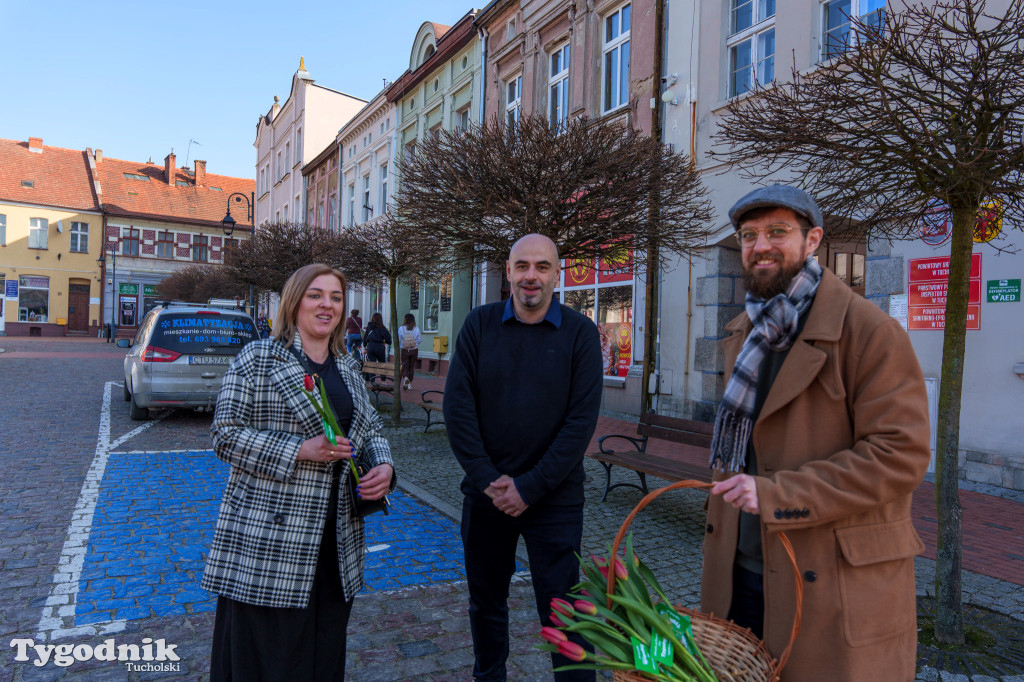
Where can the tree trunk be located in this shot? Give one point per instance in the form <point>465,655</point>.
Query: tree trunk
<point>949,615</point>
<point>396,408</point>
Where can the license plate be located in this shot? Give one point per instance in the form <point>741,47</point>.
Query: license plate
<point>209,359</point>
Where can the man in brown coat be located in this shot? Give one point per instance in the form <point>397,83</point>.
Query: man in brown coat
<point>823,434</point>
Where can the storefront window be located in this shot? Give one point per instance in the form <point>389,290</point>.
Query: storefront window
<point>432,306</point>
<point>580,300</point>
<point>33,299</point>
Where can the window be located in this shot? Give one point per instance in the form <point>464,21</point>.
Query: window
<point>136,176</point>
<point>510,29</point>
<point>3,230</point>
<point>558,86</point>
<point>285,214</point>
<point>263,181</point>
<point>410,151</point>
<point>615,64</point>
<point>332,212</point>
<point>367,208</point>
<point>513,99</point>
<point>230,249</point>
<point>605,295</point>
<point>38,233</point>
<point>752,62</point>
<point>200,248</point>
<point>383,187</point>
<point>751,45</point>
<point>352,204</point>
<point>280,169</point>
<point>746,13</point>
<point>462,119</point>
<point>79,237</point>
<point>165,244</point>
<point>298,146</point>
<point>33,298</point>
<point>432,306</point>
<point>287,157</point>
<point>836,28</point>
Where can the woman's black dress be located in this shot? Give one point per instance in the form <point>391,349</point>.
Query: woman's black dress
<point>266,643</point>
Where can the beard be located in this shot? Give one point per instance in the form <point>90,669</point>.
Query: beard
<point>768,286</point>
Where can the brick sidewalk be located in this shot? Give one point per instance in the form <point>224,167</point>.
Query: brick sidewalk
<point>993,527</point>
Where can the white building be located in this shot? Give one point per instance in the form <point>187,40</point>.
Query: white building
<point>289,136</point>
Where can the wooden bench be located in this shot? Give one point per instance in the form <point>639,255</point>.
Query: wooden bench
<point>380,378</point>
<point>688,461</point>
<point>430,407</point>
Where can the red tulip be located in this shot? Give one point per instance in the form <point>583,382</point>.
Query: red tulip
<point>307,383</point>
<point>585,607</point>
<point>572,651</point>
<point>562,606</point>
<point>560,622</point>
<point>553,635</point>
<point>620,570</point>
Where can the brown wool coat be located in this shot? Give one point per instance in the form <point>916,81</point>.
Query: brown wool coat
<point>842,441</point>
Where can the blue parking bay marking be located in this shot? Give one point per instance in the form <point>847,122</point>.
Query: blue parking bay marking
<point>155,517</point>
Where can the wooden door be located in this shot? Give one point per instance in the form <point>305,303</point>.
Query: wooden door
<point>78,307</point>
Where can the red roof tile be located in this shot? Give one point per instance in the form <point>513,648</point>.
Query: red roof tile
<point>158,200</point>
<point>60,177</point>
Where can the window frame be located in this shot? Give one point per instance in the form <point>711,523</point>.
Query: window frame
<point>758,63</point>
<point>383,171</point>
<point>615,45</point>
<point>513,107</point>
<point>202,253</point>
<point>558,84</point>
<point>851,36</point>
<point>130,240</point>
<point>39,229</point>
<point>427,286</point>
<point>78,234</point>
<point>168,243</point>
<point>352,204</point>
<point>24,288</point>
<point>367,206</point>
<point>3,229</point>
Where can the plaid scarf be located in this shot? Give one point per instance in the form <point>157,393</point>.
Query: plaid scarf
<point>775,327</point>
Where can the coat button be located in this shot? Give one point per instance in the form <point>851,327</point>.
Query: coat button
<point>278,518</point>
<point>805,512</point>
<point>788,513</point>
<point>778,513</point>
<point>710,528</point>
<point>810,576</point>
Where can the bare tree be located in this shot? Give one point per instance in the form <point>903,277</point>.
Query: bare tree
<point>276,250</point>
<point>923,111</point>
<point>388,250</point>
<point>599,190</point>
<point>199,283</point>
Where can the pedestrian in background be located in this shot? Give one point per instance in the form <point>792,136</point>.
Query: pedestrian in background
<point>521,403</point>
<point>409,338</point>
<point>353,332</point>
<point>825,417</point>
<point>377,339</point>
<point>287,555</point>
<point>262,327</point>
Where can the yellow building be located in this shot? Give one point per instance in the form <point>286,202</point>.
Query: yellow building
<point>51,232</point>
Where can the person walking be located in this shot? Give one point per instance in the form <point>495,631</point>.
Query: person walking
<point>377,339</point>
<point>354,333</point>
<point>521,403</point>
<point>287,555</point>
<point>822,433</point>
<point>409,338</point>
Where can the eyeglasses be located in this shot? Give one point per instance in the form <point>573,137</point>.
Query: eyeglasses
<point>775,234</point>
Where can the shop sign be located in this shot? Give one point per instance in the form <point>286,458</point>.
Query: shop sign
<point>578,272</point>
<point>927,293</point>
<point>149,290</point>
<point>1003,291</point>
<point>616,265</point>
<point>130,289</point>
<point>11,289</point>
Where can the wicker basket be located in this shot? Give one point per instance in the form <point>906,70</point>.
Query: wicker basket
<point>734,653</point>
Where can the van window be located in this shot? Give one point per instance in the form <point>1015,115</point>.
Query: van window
<point>195,332</point>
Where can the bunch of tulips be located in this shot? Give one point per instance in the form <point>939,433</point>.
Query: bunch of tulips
<point>631,629</point>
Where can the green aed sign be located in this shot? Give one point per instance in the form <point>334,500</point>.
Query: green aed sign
<point>128,289</point>
<point>1003,290</point>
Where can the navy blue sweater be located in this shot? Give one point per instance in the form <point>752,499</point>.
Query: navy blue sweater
<point>523,399</point>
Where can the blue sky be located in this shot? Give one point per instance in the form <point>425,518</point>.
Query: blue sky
<point>138,78</point>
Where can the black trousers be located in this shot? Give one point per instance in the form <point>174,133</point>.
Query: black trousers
<point>747,608</point>
<point>266,644</point>
<point>489,537</point>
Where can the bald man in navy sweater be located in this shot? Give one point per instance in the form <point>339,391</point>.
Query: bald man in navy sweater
<point>521,403</point>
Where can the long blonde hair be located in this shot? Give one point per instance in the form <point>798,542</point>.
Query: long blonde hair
<point>291,296</point>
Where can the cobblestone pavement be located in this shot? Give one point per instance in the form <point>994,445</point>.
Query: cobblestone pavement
<point>104,523</point>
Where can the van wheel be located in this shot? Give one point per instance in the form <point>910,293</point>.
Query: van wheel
<point>137,413</point>
<point>125,393</point>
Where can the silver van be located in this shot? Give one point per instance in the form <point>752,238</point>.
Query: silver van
<point>180,355</point>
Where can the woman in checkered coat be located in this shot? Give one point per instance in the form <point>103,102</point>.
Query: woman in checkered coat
<point>287,557</point>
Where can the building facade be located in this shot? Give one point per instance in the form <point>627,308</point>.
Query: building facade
<point>441,90</point>
<point>289,136</point>
<point>157,220</point>
<point>51,232</point>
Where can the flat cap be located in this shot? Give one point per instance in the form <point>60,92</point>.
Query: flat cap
<point>783,196</point>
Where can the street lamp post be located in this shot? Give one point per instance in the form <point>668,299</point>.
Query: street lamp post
<point>113,289</point>
<point>228,225</point>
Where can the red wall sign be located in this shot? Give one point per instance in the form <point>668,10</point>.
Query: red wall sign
<point>927,293</point>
